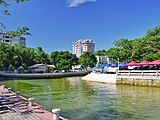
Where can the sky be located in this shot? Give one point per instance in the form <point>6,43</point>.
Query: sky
<point>55,24</point>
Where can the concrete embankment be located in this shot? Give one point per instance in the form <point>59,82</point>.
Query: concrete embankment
<point>135,79</point>
<point>99,77</point>
<point>42,76</point>
<point>139,77</point>
<point>153,81</point>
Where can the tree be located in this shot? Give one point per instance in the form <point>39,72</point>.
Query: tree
<point>54,58</point>
<point>146,48</point>
<point>153,32</point>
<point>114,54</point>
<point>6,3</point>
<point>20,31</point>
<point>100,53</point>
<point>88,59</point>
<point>125,47</point>
<point>41,56</point>
<point>4,56</point>
<point>15,56</point>
<point>63,60</point>
<point>143,48</point>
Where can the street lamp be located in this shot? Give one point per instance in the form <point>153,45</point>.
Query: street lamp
<point>118,63</point>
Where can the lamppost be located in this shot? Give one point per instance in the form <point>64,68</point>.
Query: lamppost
<point>118,63</point>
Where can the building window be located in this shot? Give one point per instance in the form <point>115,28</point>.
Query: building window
<point>6,40</point>
<point>7,36</point>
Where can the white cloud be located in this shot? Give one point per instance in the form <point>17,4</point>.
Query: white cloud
<point>75,3</point>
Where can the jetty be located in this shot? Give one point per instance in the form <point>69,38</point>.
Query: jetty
<point>15,107</point>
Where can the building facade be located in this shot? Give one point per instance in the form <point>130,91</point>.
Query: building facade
<point>6,38</point>
<point>82,45</point>
<point>102,60</point>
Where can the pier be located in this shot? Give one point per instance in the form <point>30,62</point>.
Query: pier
<point>138,77</point>
<point>15,107</point>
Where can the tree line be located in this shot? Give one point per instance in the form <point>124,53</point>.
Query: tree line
<point>143,48</point>
<point>124,50</point>
<point>14,56</point>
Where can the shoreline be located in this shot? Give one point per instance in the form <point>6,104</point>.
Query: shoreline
<point>16,105</point>
<point>41,76</point>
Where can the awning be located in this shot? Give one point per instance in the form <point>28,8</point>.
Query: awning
<point>133,63</point>
<point>144,63</point>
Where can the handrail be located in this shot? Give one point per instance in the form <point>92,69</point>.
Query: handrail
<point>138,72</point>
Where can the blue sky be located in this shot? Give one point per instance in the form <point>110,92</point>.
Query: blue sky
<point>55,24</point>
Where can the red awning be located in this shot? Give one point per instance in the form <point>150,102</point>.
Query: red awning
<point>133,63</point>
<point>145,62</point>
<point>156,62</point>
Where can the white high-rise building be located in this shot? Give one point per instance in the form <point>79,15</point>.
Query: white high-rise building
<point>82,45</point>
<point>6,38</point>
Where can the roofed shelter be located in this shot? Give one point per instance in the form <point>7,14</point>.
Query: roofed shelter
<point>38,68</point>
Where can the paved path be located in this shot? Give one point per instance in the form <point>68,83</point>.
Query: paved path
<point>13,107</point>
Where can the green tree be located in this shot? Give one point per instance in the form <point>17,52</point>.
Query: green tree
<point>4,61</point>
<point>143,48</point>
<point>41,56</point>
<point>63,60</point>
<point>114,54</point>
<point>154,31</point>
<point>125,47</point>
<point>88,59</point>
<point>100,53</point>
<point>4,4</point>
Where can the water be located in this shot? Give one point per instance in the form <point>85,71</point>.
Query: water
<point>81,100</point>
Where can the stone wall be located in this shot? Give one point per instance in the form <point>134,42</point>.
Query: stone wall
<point>138,82</point>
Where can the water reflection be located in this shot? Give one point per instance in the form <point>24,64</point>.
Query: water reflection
<point>138,102</point>
<point>81,100</point>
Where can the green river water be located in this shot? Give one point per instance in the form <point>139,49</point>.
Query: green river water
<point>81,100</point>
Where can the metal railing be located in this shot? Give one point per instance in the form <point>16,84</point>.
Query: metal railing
<point>138,73</point>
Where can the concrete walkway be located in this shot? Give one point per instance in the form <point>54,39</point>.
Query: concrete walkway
<point>15,107</point>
